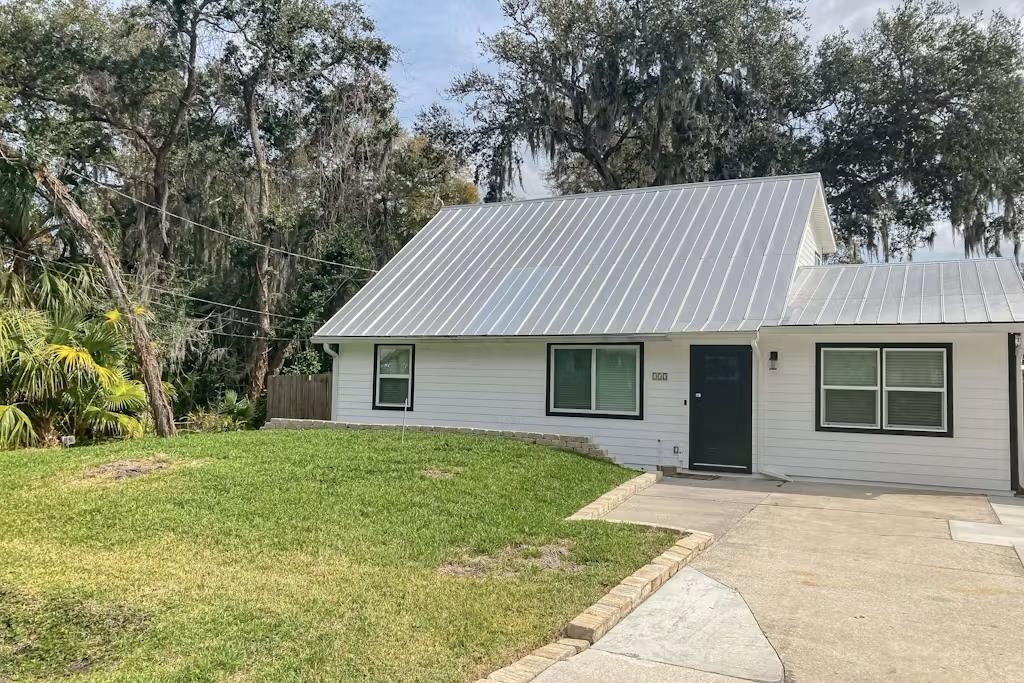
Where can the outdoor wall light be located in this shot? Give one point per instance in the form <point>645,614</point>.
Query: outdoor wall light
<point>773,360</point>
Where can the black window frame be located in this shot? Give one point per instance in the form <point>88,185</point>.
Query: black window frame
<point>881,347</point>
<point>412,376</point>
<point>549,409</point>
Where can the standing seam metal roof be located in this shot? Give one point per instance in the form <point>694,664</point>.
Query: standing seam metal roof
<point>715,256</point>
<point>970,291</point>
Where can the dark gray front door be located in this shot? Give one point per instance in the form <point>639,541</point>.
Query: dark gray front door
<point>720,408</point>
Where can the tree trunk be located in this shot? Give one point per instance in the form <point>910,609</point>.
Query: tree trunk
<point>260,361</point>
<point>22,265</point>
<point>156,238</point>
<point>64,204</point>
<point>155,241</point>
<point>278,358</point>
<point>609,181</point>
<point>48,436</point>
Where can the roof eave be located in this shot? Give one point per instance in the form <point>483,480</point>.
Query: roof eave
<point>975,326</point>
<point>567,338</point>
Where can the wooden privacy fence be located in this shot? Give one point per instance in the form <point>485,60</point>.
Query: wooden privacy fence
<point>299,397</point>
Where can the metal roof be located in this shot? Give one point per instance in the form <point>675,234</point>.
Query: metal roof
<point>974,291</point>
<point>710,256</point>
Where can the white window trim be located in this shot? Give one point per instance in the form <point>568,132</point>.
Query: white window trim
<point>378,350</point>
<point>638,348</point>
<point>942,390</point>
<point>876,389</point>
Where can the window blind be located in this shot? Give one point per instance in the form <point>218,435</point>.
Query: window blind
<point>616,378</point>
<point>920,377</point>
<point>572,379</point>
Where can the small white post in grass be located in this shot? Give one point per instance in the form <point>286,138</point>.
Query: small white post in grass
<point>405,410</point>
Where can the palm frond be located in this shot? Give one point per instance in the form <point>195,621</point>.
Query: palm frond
<point>35,376</point>
<point>21,327</point>
<point>65,325</point>
<point>12,288</point>
<point>53,290</point>
<point>109,377</point>
<point>79,363</point>
<point>105,341</point>
<point>169,389</point>
<point>75,359</point>
<point>126,397</point>
<point>15,428</point>
<point>111,423</point>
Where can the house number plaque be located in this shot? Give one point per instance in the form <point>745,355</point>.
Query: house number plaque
<point>659,376</point>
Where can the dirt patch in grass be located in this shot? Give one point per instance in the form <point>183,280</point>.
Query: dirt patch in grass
<point>120,470</point>
<point>441,472</point>
<point>514,560</point>
<point>52,636</point>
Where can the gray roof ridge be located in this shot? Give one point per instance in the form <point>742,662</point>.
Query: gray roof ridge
<point>639,190</point>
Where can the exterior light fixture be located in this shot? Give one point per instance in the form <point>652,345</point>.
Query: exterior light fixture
<point>773,360</point>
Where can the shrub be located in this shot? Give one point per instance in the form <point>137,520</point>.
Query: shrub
<point>230,414</point>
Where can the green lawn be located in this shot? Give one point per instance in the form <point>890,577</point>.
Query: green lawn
<point>310,555</point>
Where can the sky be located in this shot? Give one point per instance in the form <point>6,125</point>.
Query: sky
<point>437,40</point>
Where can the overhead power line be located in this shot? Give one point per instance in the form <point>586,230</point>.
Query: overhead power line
<point>216,230</point>
<point>162,290</point>
<point>247,336</point>
<point>216,316</point>
<point>219,303</point>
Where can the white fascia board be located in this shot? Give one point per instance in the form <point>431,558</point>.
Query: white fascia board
<point>905,328</point>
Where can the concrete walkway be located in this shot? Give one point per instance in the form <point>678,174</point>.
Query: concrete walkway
<point>692,629</point>
<point>847,583</point>
<point>1009,531</point>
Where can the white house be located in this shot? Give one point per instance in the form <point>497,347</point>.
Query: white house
<point>694,327</point>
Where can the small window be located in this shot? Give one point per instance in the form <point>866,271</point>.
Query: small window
<point>818,258</point>
<point>892,389</point>
<point>601,380</point>
<point>393,377</point>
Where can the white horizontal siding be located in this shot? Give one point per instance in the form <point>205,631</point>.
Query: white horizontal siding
<point>502,385</point>
<point>808,248</point>
<point>977,456</point>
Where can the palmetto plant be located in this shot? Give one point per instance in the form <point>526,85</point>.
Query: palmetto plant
<point>64,372</point>
<point>231,413</point>
<point>63,366</point>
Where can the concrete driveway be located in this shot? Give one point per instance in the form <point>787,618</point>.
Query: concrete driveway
<point>847,583</point>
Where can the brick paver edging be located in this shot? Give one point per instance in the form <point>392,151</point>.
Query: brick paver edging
<point>599,618</point>
<point>581,445</point>
<point>616,497</point>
